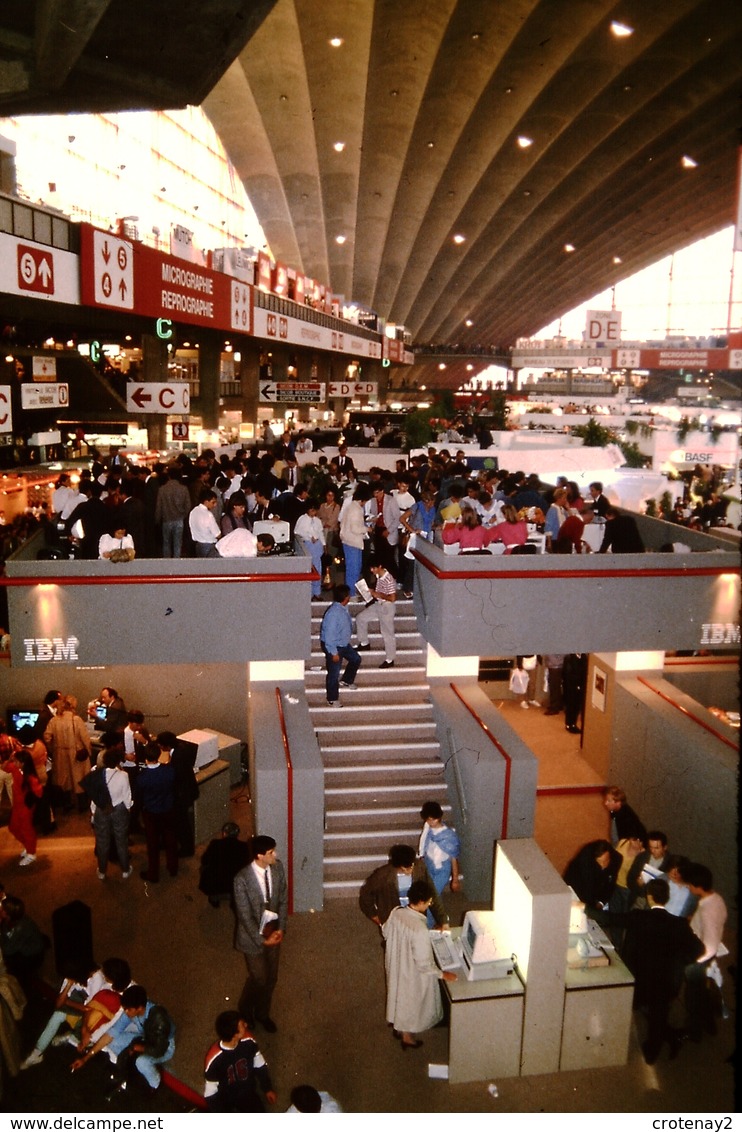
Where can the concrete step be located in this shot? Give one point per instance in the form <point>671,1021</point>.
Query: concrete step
<point>361,819</point>
<point>407,753</point>
<point>336,739</point>
<point>395,788</point>
<point>368,693</point>
<point>341,889</point>
<point>393,768</point>
<point>348,842</point>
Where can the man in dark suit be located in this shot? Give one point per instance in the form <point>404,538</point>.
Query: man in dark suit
<point>182,757</point>
<point>621,534</point>
<point>261,904</point>
<point>656,949</point>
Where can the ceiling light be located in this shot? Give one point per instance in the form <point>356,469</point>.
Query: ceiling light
<point>469,368</point>
<point>621,31</point>
<point>617,259</point>
<point>476,35</point>
<point>336,41</point>
<point>458,238</point>
<point>523,141</point>
<point>526,192</point>
<point>688,162</point>
<point>469,322</point>
<point>340,239</point>
<point>339,147</point>
<point>441,365</point>
<point>569,247</point>
<point>431,144</point>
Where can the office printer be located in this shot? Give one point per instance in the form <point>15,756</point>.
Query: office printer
<point>483,959</point>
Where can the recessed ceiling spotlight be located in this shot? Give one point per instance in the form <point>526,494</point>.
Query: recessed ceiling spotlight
<point>617,259</point>
<point>621,31</point>
<point>431,144</point>
<point>469,322</point>
<point>469,368</point>
<point>526,192</point>
<point>508,90</point>
<point>441,365</point>
<point>569,247</point>
<point>340,239</point>
<point>458,238</point>
<point>688,162</point>
<point>394,93</point>
<point>523,141</point>
<point>283,98</point>
<point>336,41</point>
<point>476,35</point>
<point>339,147</point>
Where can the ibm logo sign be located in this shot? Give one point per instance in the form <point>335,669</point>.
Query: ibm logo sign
<point>719,633</point>
<point>50,650</point>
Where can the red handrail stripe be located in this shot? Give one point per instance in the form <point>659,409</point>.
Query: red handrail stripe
<point>655,572</point>
<point>690,715</point>
<point>478,719</point>
<point>289,800</point>
<point>679,661</point>
<point>147,579</point>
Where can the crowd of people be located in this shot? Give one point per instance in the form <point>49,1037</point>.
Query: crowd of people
<point>664,917</point>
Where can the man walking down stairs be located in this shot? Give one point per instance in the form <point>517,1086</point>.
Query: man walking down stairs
<point>381,754</point>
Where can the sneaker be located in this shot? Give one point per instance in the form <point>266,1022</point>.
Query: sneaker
<point>534,703</point>
<point>23,855</point>
<point>524,704</point>
<point>100,875</point>
<point>387,664</point>
<point>35,1057</point>
<point>28,859</point>
<point>66,1039</point>
<point>127,874</point>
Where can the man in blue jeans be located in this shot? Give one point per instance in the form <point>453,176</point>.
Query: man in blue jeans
<point>334,635</point>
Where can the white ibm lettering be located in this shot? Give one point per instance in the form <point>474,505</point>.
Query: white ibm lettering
<point>50,650</point>
<point>720,633</point>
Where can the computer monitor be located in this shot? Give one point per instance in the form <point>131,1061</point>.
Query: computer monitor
<point>206,743</point>
<point>478,938</point>
<point>100,716</point>
<point>19,718</point>
<point>577,916</point>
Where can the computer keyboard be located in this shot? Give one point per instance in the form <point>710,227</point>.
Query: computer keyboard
<point>446,950</point>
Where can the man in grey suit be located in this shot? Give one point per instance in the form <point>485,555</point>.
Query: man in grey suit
<point>261,904</point>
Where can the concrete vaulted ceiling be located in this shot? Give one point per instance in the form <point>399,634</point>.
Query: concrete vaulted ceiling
<point>429,98</point>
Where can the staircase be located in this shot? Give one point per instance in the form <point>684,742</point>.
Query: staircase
<point>380,751</point>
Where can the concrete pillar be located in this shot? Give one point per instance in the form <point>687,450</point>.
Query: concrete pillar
<point>249,377</point>
<point>209,358</point>
<point>154,369</point>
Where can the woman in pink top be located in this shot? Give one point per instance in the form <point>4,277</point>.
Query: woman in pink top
<point>467,531</point>
<point>513,531</point>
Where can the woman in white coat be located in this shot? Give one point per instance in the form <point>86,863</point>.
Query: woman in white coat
<point>413,997</point>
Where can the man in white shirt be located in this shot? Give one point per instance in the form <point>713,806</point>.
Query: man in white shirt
<point>204,527</point>
<point>239,543</point>
<point>707,922</point>
<point>381,610</point>
<point>311,533</point>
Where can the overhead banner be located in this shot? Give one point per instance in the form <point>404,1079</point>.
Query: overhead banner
<point>596,359</point>
<point>637,358</point>
<point>603,327</point>
<point>296,332</point>
<point>126,275</point>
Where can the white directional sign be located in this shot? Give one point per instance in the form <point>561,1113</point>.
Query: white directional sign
<point>353,389</point>
<point>113,263</point>
<point>6,417</point>
<point>151,397</point>
<point>44,395</point>
<point>292,391</point>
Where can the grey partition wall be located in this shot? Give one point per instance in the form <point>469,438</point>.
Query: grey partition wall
<point>491,776</point>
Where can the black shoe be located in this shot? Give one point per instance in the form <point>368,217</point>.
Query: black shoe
<point>363,648</point>
<point>268,1025</point>
<point>387,664</point>
<point>573,730</point>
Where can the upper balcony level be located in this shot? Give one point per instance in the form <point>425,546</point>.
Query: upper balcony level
<point>159,611</point>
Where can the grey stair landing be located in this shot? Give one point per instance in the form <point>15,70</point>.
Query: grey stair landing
<point>380,751</point>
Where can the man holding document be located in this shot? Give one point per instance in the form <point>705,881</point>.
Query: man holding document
<point>380,607</point>
<point>261,904</point>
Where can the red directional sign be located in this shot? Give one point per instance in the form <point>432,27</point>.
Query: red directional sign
<point>152,397</point>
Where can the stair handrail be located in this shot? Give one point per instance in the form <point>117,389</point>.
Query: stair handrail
<point>289,801</point>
